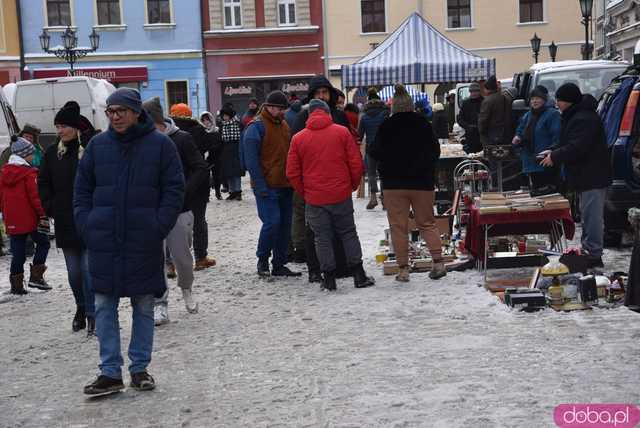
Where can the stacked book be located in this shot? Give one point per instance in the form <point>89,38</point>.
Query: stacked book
<point>555,202</point>
<point>493,203</point>
<point>498,203</point>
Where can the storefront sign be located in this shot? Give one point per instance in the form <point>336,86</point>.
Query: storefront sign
<point>295,87</point>
<point>238,90</point>
<point>113,75</point>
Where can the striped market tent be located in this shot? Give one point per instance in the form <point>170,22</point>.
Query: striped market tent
<point>416,53</point>
<point>387,92</point>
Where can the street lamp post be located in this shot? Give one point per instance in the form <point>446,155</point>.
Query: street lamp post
<point>69,51</point>
<point>553,50</point>
<point>586,9</point>
<point>535,46</point>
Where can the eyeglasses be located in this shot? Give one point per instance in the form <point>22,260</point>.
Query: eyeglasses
<point>117,112</point>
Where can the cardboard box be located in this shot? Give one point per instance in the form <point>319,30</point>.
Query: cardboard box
<point>390,268</point>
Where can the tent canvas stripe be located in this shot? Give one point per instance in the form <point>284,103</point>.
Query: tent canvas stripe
<point>416,53</point>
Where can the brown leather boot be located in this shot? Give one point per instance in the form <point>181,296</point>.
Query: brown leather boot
<point>17,284</point>
<point>204,263</point>
<point>36,278</point>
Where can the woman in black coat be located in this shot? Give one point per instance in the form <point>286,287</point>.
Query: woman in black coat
<point>230,167</point>
<point>55,184</point>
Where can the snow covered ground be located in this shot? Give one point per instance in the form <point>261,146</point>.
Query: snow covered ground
<point>283,353</point>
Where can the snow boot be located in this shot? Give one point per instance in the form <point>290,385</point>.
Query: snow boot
<point>373,201</point>
<point>438,270</point>
<point>79,320</point>
<point>104,385</point>
<point>360,278</point>
<point>263,267</point>
<point>91,326</point>
<point>329,281</point>
<point>17,284</point>
<point>403,274</point>
<point>204,263</point>
<point>36,278</point>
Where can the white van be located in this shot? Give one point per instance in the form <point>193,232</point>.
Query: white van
<point>37,101</point>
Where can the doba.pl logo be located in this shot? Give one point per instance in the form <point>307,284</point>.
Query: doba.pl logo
<point>596,415</point>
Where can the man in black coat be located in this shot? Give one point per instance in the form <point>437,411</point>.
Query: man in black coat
<point>319,88</point>
<point>180,238</point>
<point>584,153</point>
<point>468,119</point>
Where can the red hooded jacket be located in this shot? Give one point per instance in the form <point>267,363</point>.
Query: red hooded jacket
<point>19,199</point>
<point>324,164</point>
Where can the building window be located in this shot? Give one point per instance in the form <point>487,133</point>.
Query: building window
<point>177,92</point>
<point>531,11</point>
<point>232,13</point>
<point>58,13</point>
<point>373,16</point>
<point>287,12</point>
<point>459,14</point>
<point>108,12</point>
<point>159,11</point>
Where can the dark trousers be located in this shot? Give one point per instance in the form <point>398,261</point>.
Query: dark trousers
<point>19,250</point>
<point>79,279</point>
<point>313,264</point>
<point>200,229</point>
<point>334,221</point>
<point>275,212</point>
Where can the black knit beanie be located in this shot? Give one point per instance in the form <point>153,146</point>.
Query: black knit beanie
<point>68,115</point>
<point>569,92</point>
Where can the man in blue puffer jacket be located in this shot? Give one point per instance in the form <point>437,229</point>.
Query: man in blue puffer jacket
<point>129,192</point>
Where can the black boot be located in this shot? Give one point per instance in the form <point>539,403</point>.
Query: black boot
<point>360,278</point>
<point>315,276</point>
<point>284,271</point>
<point>329,281</point>
<point>263,267</point>
<point>91,326</point>
<point>79,320</point>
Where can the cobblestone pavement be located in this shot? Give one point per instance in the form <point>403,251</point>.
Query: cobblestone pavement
<point>283,353</point>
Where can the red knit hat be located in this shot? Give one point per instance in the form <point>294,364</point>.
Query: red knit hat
<point>180,110</point>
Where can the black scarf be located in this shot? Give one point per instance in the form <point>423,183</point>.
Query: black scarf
<point>528,139</point>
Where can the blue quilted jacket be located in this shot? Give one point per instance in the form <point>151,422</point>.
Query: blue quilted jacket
<point>129,191</point>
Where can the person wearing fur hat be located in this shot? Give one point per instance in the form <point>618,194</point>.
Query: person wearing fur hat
<point>407,152</point>
<point>205,142</point>
<point>180,237</point>
<point>265,147</point>
<point>495,118</point>
<point>231,166</point>
<point>375,112</point>
<point>440,125</point>
<point>23,216</point>
<point>55,184</point>
<point>584,156</point>
<point>538,130</point>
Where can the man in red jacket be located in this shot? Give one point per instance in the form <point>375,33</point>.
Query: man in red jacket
<point>23,215</point>
<point>324,166</point>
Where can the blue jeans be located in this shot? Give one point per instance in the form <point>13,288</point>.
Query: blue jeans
<point>275,212</point>
<point>592,215</point>
<point>235,184</point>
<point>19,250</point>
<point>79,279</point>
<point>108,331</point>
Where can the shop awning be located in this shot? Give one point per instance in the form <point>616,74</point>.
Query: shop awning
<point>416,53</point>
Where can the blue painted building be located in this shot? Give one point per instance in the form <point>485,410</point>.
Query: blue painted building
<point>152,45</point>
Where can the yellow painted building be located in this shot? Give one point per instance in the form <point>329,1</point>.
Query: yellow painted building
<point>9,42</point>
<point>499,29</point>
